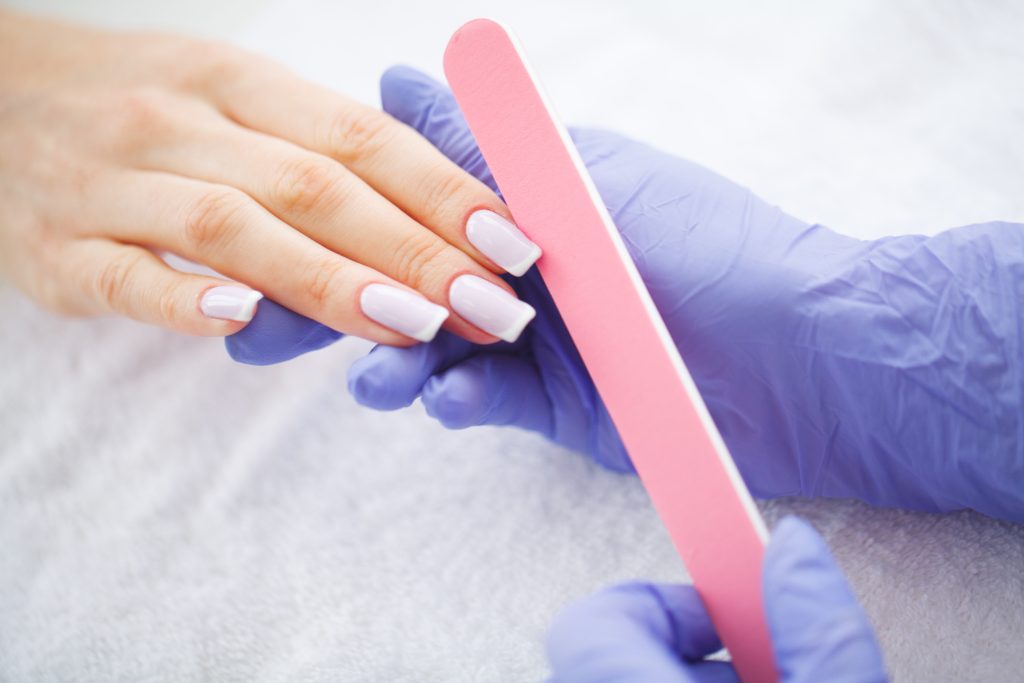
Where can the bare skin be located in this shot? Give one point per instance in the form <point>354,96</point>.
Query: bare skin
<point>116,147</point>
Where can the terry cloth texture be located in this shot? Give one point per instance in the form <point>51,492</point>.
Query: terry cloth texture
<point>168,515</point>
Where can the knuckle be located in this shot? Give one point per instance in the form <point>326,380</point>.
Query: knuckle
<point>217,65</point>
<point>418,258</point>
<point>217,59</point>
<point>194,63</point>
<point>324,281</point>
<point>356,132</point>
<point>214,218</point>
<point>114,280</point>
<point>446,193</point>
<point>143,111</point>
<point>177,304</point>
<point>168,309</point>
<point>82,179</point>
<point>308,183</point>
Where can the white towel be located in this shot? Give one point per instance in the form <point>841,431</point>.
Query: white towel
<point>167,515</point>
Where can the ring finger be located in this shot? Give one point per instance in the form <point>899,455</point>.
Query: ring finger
<point>224,229</point>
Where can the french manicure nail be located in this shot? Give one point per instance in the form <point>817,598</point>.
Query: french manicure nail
<point>489,307</point>
<point>402,311</point>
<point>230,303</point>
<point>501,241</point>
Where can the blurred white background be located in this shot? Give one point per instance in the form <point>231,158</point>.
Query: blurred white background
<point>310,539</point>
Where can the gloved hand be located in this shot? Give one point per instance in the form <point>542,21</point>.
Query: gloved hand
<point>661,633</point>
<point>888,371</point>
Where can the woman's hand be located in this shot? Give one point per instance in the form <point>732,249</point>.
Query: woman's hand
<point>116,146</point>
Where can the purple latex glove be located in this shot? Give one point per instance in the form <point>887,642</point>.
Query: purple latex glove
<point>888,371</point>
<point>662,633</point>
<point>277,334</point>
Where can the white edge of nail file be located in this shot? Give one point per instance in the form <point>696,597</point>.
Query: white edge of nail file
<point>654,403</point>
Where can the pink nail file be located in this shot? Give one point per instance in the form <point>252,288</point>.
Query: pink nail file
<point>624,343</point>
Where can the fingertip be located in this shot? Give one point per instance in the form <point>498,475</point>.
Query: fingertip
<point>791,528</point>
<point>370,389</point>
<point>819,630</point>
<point>403,74</point>
<point>387,378</point>
<point>798,570</point>
<point>401,90</point>
<point>455,399</point>
<point>794,538</point>
<point>369,386</point>
<point>802,582</point>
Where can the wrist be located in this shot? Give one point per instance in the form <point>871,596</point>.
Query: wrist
<point>914,349</point>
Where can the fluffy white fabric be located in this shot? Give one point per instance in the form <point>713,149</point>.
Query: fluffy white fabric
<point>167,515</point>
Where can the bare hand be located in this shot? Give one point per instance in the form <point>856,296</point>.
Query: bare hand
<point>116,146</point>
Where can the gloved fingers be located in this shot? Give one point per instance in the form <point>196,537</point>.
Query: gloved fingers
<point>389,378</point>
<point>277,334</point>
<point>819,630</point>
<point>491,389</point>
<point>419,101</point>
<point>636,631</point>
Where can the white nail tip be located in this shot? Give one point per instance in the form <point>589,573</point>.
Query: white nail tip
<point>512,332</point>
<point>402,311</point>
<point>520,267</point>
<point>431,327</point>
<point>501,241</point>
<point>489,307</point>
<point>230,303</point>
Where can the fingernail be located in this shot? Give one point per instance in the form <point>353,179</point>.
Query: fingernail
<point>402,311</point>
<point>501,241</point>
<point>230,303</point>
<point>489,307</point>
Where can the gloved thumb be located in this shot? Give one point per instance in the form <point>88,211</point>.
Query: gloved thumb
<point>277,334</point>
<point>819,631</point>
<point>419,101</point>
<point>636,632</point>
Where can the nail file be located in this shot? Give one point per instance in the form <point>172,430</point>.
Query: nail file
<point>671,439</point>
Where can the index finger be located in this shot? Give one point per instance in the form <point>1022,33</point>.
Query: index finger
<point>390,156</point>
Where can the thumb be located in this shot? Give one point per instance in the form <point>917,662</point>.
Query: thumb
<point>636,632</point>
<point>819,631</point>
<point>277,334</point>
<point>429,107</point>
